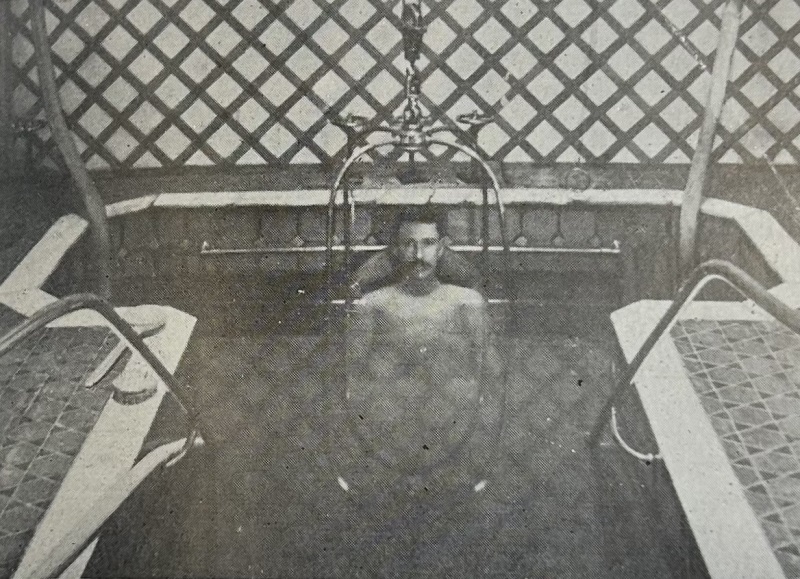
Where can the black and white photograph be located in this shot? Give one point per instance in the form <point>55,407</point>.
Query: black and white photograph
<point>343,289</point>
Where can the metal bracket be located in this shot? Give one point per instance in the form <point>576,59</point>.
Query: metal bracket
<point>647,458</point>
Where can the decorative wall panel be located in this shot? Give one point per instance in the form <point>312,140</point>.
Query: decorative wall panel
<point>169,83</point>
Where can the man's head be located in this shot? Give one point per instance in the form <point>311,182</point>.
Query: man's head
<point>416,242</point>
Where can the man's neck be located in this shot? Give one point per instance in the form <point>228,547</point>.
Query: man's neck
<point>419,287</point>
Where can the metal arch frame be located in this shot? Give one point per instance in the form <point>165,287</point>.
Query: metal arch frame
<point>423,140</point>
<point>349,202</point>
<point>412,133</point>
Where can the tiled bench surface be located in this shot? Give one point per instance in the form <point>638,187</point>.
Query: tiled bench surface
<point>46,413</point>
<point>747,376</point>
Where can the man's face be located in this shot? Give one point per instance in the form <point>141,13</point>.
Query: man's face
<point>418,248</point>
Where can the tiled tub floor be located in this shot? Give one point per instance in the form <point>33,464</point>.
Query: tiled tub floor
<point>747,375</point>
<point>45,415</point>
<point>262,499</point>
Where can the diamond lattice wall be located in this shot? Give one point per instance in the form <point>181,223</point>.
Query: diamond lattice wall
<point>168,83</point>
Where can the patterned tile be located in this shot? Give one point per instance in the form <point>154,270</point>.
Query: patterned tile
<point>64,441</point>
<point>762,366</point>
<point>11,549</point>
<point>753,404</point>
<point>777,342</point>
<point>723,424</point>
<point>789,358</point>
<point>18,517</point>
<point>777,534</point>
<point>776,462</point>
<point>728,375</point>
<point>758,498</point>
<point>777,384</point>
<point>734,449</point>
<point>10,477</point>
<point>745,416</point>
<point>785,490</point>
<point>50,465</point>
<point>790,563</point>
<point>717,356</point>
<point>790,427</point>
<point>18,455</point>
<point>763,437</point>
<point>735,395</point>
<point>783,405</point>
<point>36,491</point>
<point>44,409</point>
<point>751,348</point>
<point>46,415</point>
<point>24,430</point>
<point>792,516</point>
<point>711,338</point>
<point>712,404</point>
<point>702,383</point>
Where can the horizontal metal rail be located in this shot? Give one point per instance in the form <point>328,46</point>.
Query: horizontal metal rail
<point>311,249</point>
<point>710,270</point>
<point>342,301</point>
<point>492,301</point>
<point>86,528</point>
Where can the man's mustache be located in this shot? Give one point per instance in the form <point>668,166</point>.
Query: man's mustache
<point>418,262</point>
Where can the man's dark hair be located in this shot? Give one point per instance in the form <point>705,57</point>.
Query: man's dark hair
<point>418,214</point>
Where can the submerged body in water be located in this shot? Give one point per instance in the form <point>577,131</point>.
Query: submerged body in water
<point>440,335</point>
<point>421,372</point>
<point>418,359</point>
<point>264,500</point>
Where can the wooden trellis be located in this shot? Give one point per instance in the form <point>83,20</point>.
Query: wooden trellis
<point>163,83</point>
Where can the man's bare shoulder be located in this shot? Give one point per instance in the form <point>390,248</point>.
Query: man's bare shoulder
<point>463,295</point>
<point>453,294</point>
<point>378,296</point>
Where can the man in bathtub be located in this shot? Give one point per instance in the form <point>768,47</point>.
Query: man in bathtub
<point>420,359</point>
<point>383,267</point>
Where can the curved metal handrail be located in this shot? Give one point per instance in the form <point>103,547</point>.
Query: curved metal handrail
<point>92,201</point>
<point>66,551</point>
<point>87,301</point>
<point>705,272</point>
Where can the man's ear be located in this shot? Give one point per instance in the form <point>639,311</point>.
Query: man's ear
<point>440,245</point>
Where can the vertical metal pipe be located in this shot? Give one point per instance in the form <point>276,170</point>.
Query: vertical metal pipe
<point>349,216</point>
<point>95,208</point>
<point>698,173</point>
<point>485,218</point>
<point>6,91</point>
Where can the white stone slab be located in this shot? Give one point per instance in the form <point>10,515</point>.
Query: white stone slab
<point>727,531</point>
<point>110,449</point>
<point>130,206</point>
<point>41,261</point>
<point>26,302</point>
<point>443,195</point>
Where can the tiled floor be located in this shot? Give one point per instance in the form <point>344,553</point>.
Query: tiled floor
<point>45,415</point>
<point>747,375</point>
<point>263,498</point>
